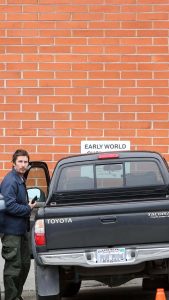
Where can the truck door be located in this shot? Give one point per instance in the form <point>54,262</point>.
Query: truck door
<point>37,183</point>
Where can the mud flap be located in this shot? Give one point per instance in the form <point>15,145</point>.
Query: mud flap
<point>47,281</point>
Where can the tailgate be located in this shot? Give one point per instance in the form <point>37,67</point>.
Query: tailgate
<point>107,225</point>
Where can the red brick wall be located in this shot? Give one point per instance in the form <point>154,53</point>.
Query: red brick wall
<point>72,70</point>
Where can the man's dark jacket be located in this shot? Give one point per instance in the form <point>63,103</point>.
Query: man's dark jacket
<point>17,209</point>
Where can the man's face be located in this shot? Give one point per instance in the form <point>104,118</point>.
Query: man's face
<point>21,164</point>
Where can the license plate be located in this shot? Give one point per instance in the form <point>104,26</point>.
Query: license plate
<point>111,255</point>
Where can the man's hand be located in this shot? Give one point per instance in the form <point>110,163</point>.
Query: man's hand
<point>32,205</point>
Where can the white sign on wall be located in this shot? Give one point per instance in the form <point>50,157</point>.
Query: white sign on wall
<point>104,146</point>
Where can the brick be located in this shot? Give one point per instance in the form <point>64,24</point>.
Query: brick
<point>21,99</point>
<point>103,91</point>
<point>104,25</point>
<point>71,58</point>
<point>8,74</point>
<point>54,49</point>
<point>101,125</point>
<point>37,124</point>
<point>9,124</point>
<point>38,91</point>
<point>21,83</point>
<point>152,33</point>
<point>9,91</point>
<point>10,8</point>
<point>113,133</point>
<point>10,58</point>
<point>152,100</point>
<point>119,100</point>
<point>141,141</point>
<point>21,49</point>
<point>21,66</point>
<point>22,32</point>
<point>119,116</point>
<point>152,16</point>
<point>87,33</point>
<point>67,141</point>
<point>160,108</point>
<point>21,132</point>
<point>135,108</point>
<point>152,49</point>
<point>119,83</point>
<point>12,148</point>
<point>10,41</point>
<point>87,116</point>
<point>37,107</point>
<point>54,132</point>
<point>54,16</point>
<point>55,83</point>
<point>70,91</point>
<point>55,66</point>
<point>152,116</point>
<point>9,140</point>
<point>152,83</point>
<point>21,17</point>
<point>38,58</point>
<point>38,75</point>
<point>87,83</point>
<point>87,99</point>
<point>20,116</point>
<point>104,75</point>
<point>37,140</point>
<point>55,33</point>
<point>88,132</point>
<point>104,58</point>
<point>69,124</point>
<point>152,133</point>
<point>135,125</point>
<point>54,116</point>
<point>53,149</point>
<point>54,99</point>
<point>161,125</point>
<point>135,91</point>
<point>37,41</point>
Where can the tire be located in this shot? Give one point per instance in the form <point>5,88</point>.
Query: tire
<point>71,289</point>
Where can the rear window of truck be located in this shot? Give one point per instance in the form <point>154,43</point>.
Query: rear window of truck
<point>109,175</point>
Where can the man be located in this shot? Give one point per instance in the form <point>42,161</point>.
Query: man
<point>15,245</point>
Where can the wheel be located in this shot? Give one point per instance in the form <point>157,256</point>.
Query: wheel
<point>70,289</point>
<point>154,283</point>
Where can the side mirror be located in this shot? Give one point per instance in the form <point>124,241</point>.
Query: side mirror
<point>38,193</point>
<point>2,203</point>
<point>2,209</point>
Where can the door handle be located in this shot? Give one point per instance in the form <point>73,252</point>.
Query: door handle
<point>108,220</point>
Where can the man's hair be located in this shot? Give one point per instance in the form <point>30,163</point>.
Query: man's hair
<point>19,152</point>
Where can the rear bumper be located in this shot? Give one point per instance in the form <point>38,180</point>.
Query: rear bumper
<point>88,257</point>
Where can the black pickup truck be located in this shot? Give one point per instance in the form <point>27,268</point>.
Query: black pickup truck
<point>104,217</point>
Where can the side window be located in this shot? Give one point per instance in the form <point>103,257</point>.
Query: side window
<point>76,178</point>
<point>37,179</point>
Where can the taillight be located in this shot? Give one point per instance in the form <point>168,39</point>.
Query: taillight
<point>108,155</point>
<point>39,235</point>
